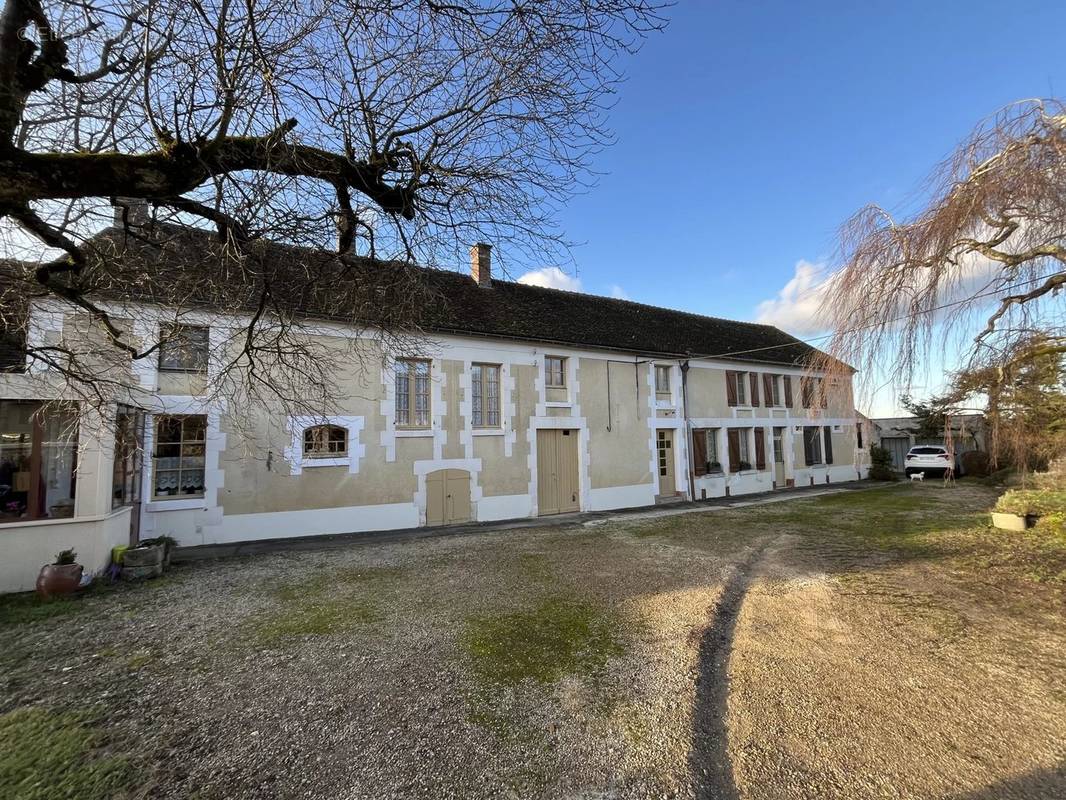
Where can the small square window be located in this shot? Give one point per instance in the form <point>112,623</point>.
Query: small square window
<point>325,441</point>
<point>183,348</point>
<point>555,372</point>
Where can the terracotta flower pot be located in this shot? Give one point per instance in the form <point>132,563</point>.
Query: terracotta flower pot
<point>58,580</point>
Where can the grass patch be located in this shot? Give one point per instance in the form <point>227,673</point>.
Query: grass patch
<point>330,602</point>
<point>560,636</point>
<point>45,755</point>
<point>25,608</point>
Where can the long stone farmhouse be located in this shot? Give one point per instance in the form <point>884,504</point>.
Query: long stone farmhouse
<point>521,401</point>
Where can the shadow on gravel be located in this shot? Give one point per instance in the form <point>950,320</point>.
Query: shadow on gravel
<point>709,764</point>
<point>1041,784</point>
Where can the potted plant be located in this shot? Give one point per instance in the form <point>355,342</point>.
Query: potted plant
<point>168,543</point>
<point>61,577</point>
<point>714,466</point>
<point>744,466</point>
<point>143,561</point>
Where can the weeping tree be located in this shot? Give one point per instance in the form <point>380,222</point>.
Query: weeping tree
<point>400,131</point>
<point>982,265</point>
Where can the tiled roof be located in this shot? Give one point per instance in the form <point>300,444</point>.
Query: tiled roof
<point>318,284</point>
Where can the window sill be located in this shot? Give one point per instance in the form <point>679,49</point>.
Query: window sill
<point>488,432</point>
<point>177,504</point>
<point>413,433</point>
<point>558,404</point>
<point>182,371</point>
<point>338,461</point>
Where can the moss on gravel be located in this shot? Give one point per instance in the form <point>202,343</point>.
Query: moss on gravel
<point>329,602</point>
<point>45,755</point>
<point>559,636</point>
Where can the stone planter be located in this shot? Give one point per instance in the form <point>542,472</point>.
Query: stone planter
<point>139,563</point>
<point>58,580</point>
<point>1012,522</point>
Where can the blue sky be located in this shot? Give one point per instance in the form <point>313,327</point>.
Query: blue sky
<point>747,132</point>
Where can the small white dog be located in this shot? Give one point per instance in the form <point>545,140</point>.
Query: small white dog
<point>917,476</point>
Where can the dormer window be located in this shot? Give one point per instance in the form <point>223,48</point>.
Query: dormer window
<point>555,372</point>
<point>183,348</point>
<point>662,380</point>
<point>325,441</point>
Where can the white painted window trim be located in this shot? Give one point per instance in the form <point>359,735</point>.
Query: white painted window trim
<point>294,453</point>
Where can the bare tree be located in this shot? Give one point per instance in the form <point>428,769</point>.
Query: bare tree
<point>394,129</point>
<point>983,263</point>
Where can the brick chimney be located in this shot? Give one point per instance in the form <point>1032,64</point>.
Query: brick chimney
<point>135,210</point>
<point>481,264</point>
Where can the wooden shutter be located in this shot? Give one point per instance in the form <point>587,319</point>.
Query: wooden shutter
<point>788,391</point>
<point>828,436</point>
<point>822,392</point>
<point>767,389</point>
<point>805,392</point>
<point>760,449</point>
<point>808,447</point>
<point>699,451</point>
<point>734,449</point>
<point>731,387</point>
<point>754,381</point>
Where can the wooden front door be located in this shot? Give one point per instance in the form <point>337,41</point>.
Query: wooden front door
<point>779,458</point>
<point>447,497</point>
<point>557,472</point>
<point>665,439</point>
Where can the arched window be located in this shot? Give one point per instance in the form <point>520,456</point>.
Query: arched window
<point>325,441</point>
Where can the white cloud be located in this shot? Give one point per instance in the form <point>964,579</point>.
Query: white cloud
<point>551,278</point>
<point>797,307</point>
<point>618,293</point>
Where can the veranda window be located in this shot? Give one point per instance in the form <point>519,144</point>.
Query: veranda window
<point>178,456</point>
<point>485,382</point>
<point>412,393</point>
<point>38,460</point>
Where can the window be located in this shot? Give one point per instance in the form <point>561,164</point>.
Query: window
<point>485,381</point>
<point>178,456</point>
<point>774,395</point>
<point>810,390</point>
<point>183,348</point>
<point>858,435</point>
<point>662,379</point>
<point>736,388</point>
<point>38,459</point>
<point>705,451</point>
<point>555,372</point>
<point>129,455</point>
<point>812,445</point>
<point>325,441</point>
<point>739,450</point>
<point>412,393</point>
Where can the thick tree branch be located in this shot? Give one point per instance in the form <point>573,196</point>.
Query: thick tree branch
<point>182,167</point>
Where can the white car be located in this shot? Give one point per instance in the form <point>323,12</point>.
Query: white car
<point>928,458</point>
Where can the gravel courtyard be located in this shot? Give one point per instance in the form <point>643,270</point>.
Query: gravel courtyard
<point>882,643</point>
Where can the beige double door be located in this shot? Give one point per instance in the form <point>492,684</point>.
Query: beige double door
<point>447,497</point>
<point>557,472</point>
